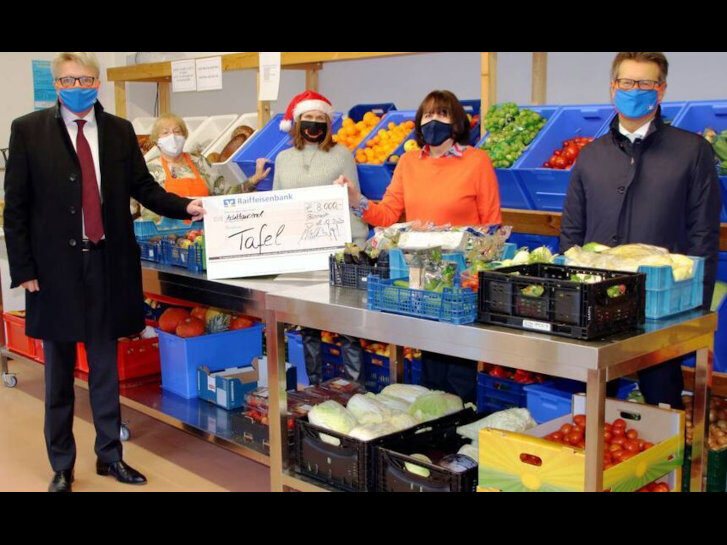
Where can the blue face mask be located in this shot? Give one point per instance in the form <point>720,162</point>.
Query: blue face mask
<point>635,103</point>
<point>436,132</point>
<point>78,99</point>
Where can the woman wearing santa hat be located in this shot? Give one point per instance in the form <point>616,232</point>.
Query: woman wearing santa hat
<point>314,160</point>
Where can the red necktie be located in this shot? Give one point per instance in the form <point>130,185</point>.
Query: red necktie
<point>91,200</point>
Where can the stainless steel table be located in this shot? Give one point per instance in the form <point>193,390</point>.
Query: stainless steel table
<point>344,310</point>
<point>192,415</point>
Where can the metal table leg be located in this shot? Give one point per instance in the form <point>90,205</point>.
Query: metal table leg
<point>702,382</point>
<point>277,402</point>
<point>9,379</point>
<point>396,363</point>
<point>595,416</point>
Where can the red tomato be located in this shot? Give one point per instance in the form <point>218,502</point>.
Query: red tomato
<point>581,444</point>
<point>608,465</point>
<point>571,152</point>
<point>557,436</point>
<point>617,432</point>
<point>641,445</point>
<point>576,427</point>
<point>614,448</point>
<point>565,428</point>
<point>617,456</point>
<point>557,153</point>
<point>580,420</point>
<point>607,437</point>
<point>632,446</point>
<point>661,487</point>
<point>619,423</point>
<point>619,440</point>
<point>625,455</point>
<point>648,445</point>
<point>575,437</point>
<point>606,457</point>
<point>632,434</point>
<point>607,426</point>
<point>559,163</point>
<point>547,164</point>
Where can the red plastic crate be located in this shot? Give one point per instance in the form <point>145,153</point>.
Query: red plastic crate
<point>138,358</point>
<point>15,338</point>
<point>39,354</point>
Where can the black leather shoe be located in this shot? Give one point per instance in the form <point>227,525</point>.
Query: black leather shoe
<point>61,481</point>
<point>123,473</point>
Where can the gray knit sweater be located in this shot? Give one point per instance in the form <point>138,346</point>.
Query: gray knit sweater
<point>311,167</point>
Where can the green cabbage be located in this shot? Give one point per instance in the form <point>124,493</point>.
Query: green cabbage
<point>417,469</point>
<point>403,421</point>
<point>407,392</point>
<point>393,403</point>
<point>595,247</point>
<point>367,409</point>
<point>541,255</point>
<point>371,431</point>
<point>332,416</point>
<point>435,405</point>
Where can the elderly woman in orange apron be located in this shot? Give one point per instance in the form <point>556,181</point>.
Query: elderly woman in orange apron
<point>185,174</point>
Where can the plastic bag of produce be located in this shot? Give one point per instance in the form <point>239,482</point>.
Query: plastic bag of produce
<point>371,431</point>
<point>332,416</point>
<point>435,405</point>
<point>518,420</point>
<point>368,410</point>
<point>407,392</point>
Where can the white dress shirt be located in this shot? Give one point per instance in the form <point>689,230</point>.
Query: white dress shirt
<point>638,133</point>
<point>90,131</point>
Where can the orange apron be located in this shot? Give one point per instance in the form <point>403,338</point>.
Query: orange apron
<point>185,187</point>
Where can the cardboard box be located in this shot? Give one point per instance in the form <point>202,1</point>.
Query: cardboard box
<point>226,388</point>
<point>562,468</point>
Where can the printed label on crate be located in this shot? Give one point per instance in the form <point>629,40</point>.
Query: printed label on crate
<point>222,397</point>
<point>211,386</point>
<point>275,232</point>
<point>539,326</point>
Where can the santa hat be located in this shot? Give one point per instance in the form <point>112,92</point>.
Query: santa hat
<point>305,102</point>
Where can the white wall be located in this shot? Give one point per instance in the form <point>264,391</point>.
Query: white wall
<point>573,78</point>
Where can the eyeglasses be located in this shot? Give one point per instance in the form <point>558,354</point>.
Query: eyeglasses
<point>70,81</point>
<point>644,84</point>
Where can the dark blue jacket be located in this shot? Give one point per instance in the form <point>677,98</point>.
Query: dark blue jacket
<point>663,190</point>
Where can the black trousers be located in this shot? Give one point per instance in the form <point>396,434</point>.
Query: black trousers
<point>454,375</point>
<point>103,379</point>
<point>661,383</point>
<point>350,350</point>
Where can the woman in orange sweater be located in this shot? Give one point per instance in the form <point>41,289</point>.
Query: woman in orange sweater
<point>446,181</point>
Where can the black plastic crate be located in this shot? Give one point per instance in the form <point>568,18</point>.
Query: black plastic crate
<point>256,435</point>
<point>356,276</point>
<point>392,475</point>
<point>351,466</point>
<point>566,308</point>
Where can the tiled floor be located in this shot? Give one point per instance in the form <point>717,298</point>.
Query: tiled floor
<point>172,460</point>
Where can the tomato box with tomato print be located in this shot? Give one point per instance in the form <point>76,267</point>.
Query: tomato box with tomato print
<point>523,462</point>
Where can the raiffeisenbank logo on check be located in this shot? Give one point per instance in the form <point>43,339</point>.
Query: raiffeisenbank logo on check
<point>228,202</point>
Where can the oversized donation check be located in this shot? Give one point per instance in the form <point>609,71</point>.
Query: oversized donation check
<point>275,232</point>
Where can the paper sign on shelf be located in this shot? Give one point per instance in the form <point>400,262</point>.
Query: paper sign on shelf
<point>44,92</point>
<point>275,232</point>
<point>209,73</point>
<point>183,76</point>
<point>269,75</point>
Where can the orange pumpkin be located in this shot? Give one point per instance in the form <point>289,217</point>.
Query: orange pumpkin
<point>199,312</point>
<point>190,327</point>
<point>170,318</point>
<point>240,322</point>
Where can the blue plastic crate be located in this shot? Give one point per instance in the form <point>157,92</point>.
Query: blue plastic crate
<point>501,392</point>
<point>359,110</point>
<point>664,296</point>
<point>722,267</point>
<point>534,241</point>
<point>547,187</point>
<point>190,258</point>
<point>399,269</point>
<point>454,305</point>
<point>376,377</point>
<point>331,353</point>
<point>150,251</point>
<point>181,357</point>
<point>412,371</point>
<point>695,117</point>
<point>268,142</point>
<point>472,107</point>
<point>720,339</point>
<point>553,398</point>
<point>374,179</point>
<point>512,191</point>
<point>296,355</point>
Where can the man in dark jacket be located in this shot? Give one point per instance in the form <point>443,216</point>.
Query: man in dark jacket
<point>70,174</point>
<point>646,182</point>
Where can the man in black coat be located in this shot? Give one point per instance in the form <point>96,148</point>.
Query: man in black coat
<point>646,182</point>
<point>71,172</point>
